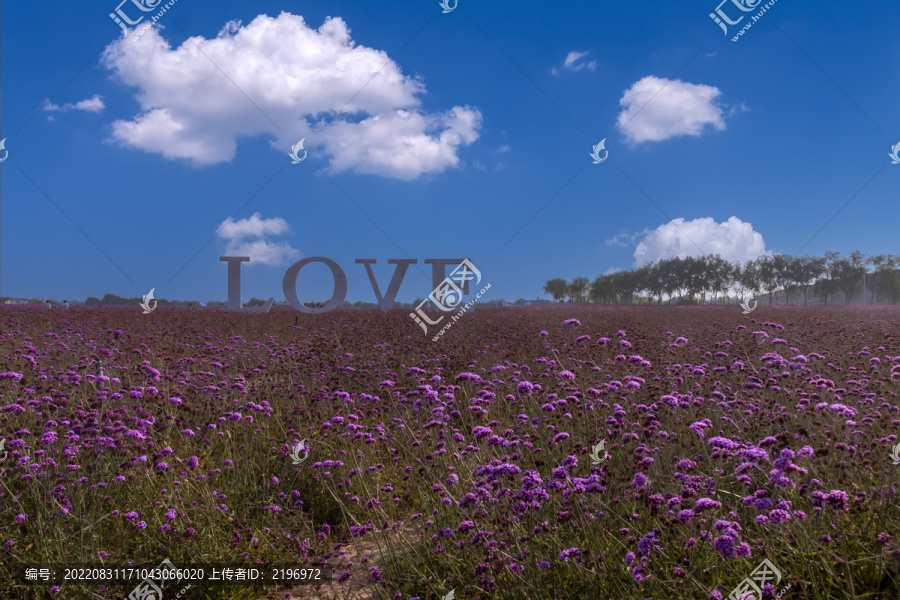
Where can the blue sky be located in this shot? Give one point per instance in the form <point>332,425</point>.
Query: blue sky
<point>433,135</point>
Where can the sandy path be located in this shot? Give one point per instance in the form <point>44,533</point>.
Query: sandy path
<point>374,546</point>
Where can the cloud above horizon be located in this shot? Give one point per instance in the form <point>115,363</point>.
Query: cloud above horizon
<point>734,240</point>
<point>656,109</point>
<point>249,237</point>
<point>94,104</point>
<point>571,63</point>
<point>280,78</point>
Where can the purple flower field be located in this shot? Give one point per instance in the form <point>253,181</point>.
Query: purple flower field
<point>471,464</point>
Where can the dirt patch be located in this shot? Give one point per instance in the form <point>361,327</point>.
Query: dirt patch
<point>376,546</point>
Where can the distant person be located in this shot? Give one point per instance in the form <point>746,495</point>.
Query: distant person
<point>49,305</point>
<point>65,304</point>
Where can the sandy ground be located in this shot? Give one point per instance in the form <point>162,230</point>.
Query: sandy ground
<point>374,546</point>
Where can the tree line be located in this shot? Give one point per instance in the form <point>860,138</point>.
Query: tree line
<point>692,280</point>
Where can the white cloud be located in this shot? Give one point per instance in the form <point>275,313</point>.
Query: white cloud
<point>734,240</point>
<point>240,236</point>
<point>94,104</point>
<point>571,63</point>
<point>623,240</point>
<point>655,110</point>
<point>353,104</point>
<point>398,143</point>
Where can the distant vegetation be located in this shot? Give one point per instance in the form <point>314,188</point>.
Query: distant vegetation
<point>779,277</point>
<point>114,300</point>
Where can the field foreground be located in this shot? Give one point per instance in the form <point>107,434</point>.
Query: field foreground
<point>473,464</point>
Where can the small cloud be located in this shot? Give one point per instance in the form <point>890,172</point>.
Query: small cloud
<point>479,165</point>
<point>94,104</point>
<point>740,108</point>
<point>573,62</point>
<point>624,240</point>
<point>504,149</point>
<point>612,270</point>
<point>240,235</point>
<point>656,109</point>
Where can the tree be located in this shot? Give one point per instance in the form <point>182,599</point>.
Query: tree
<point>888,278</point>
<point>642,281</point>
<point>677,277</point>
<point>556,288</point>
<point>773,274</point>
<point>884,282</point>
<point>577,288</point>
<point>718,275</point>
<point>654,281</point>
<point>625,283</point>
<point>847,274</point>
<point>602,289</point>
<point>750,278</point>
<point>694,271</point>
<point>827,286</point>
<point>805,271</point>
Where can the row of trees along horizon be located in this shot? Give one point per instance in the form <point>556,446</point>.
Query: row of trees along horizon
<point>776,276</point>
